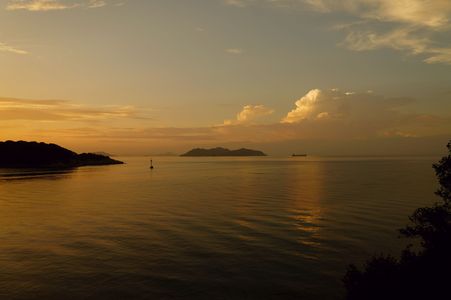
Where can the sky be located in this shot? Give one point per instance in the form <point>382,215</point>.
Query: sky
<point>351,77</point>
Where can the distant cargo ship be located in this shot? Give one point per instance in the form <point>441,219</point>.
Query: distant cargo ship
<point>294,155</point>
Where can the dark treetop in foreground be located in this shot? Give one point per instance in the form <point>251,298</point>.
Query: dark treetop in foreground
<point>41,155</point>
<point>223,152</point>
<point>421,274</point>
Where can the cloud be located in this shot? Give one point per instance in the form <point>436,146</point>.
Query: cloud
<point>235,51</point>
<point>427,13</point>
<point>60,110</point>
<point>98,3</point>
<point>304,107</point>
<point>402,39</point>
<point>276,3</point>
<point>339,114</point>
<point>415,27</point>
<point>335,105</point>
<point>250,114</point>
<point>239,3</point>
<point>39,5</point>
<point>50,5</point>
<point>6,48</point>
<point>324,115</point>
<point>319,114</point>
<point>319,117</point>
<point>410,26</point>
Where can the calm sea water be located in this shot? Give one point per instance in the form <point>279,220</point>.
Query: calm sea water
<point>203,228</point>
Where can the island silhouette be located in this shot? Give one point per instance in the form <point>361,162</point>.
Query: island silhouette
<point>22,154</point>
<point>219,151</point>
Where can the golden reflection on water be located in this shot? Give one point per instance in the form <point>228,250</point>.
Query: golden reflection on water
<point>237,227</point>
<point>308,186</point>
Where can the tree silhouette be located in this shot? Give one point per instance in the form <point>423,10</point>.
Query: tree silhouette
<point>443,172</point>
<point>423,273</point>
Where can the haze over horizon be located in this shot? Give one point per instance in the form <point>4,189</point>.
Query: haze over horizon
<point>139,77</point>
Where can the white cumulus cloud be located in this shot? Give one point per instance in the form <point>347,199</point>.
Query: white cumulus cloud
<point>250,114</point>
<point>345,106</point>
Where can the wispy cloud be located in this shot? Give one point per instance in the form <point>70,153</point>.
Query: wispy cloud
<point>97,3</point>
<point>7,48</point>
<point>234,51</point>
<point>239,3</point>
<point>39,5</point>
<point>409,26</point>
<point>50,5</point>
<point>60,110</point>
<point>415,27</point>
<point>427,13</point>
<point>319,115</point>
<point>276,3</point>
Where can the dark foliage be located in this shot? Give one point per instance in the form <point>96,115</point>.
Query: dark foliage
<point>95,159</point>
<point>443,171</point>
<point>421,274</point>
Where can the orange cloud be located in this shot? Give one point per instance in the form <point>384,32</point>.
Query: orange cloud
<point>250,114</point>
<point>54,110</point>
<point>7,48</point>
<point>320,115</point>
<point>51,5</point>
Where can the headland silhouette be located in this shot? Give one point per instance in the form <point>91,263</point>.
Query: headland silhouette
<point>22,154</point>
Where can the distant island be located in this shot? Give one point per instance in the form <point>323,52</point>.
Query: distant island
<point>103,153</point>
<point>23,154</point>
<point>223,152</point>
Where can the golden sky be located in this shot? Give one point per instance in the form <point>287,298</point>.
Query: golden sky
<point>140,77</point>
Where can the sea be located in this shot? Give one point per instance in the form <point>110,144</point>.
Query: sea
<point>204,228</point>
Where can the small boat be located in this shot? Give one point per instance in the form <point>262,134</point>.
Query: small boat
<point>295,155</point>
